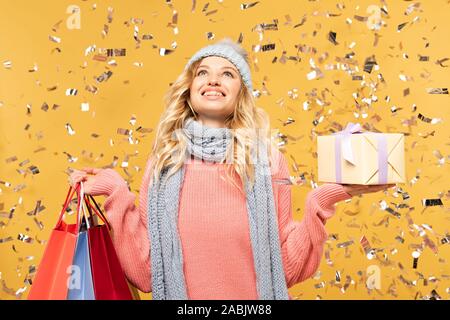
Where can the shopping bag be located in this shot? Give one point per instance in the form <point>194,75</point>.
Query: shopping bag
<point>80,284</point>
<point>51,280</point>
<point>107,274</point>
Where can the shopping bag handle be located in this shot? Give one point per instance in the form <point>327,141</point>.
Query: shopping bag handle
<point>96,210</point>
<point>69,197</point>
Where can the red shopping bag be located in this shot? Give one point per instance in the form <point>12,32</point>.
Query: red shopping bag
<point>51,280</point>
<point>107,274</point>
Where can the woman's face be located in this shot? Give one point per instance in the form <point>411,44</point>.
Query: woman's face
<point>214,90</point>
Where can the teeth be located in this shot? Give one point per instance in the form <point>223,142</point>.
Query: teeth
<point>212,93</point>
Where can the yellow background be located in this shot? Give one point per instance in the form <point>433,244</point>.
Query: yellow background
<point>25,27</point>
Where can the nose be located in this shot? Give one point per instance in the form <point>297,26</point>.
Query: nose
<point>212,81</point>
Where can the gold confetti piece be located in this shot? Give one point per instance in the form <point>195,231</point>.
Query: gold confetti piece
<point>70,158</point>
<point>54,39</point>
<point>344,244</point>
<point>440,62</point>
<point>113,52</point>
<point>245,6</point>
<point>411,8</point>
<point>401,26</point>
<point>39,149</point>
<point>320,285</point>
<point>7,64</point>
<point>24,238</point>
<point>69,128</point>
<point>84,106</point>
<point>34,170</point>
<point>144,130</point>
<point>39,223</point>
<point>332,38</point>
<point>3,240</point>
<point>288,121</point>
<point>437,90</point>
<point>370,253</point>
<point>110,14</point>
<point>71,92</point>
<point>34,69</point>
<point>123,131</point>
<point>138,64</point>
<point>415,255</point>
<point>164,52</point>
<point>38,208</point>
<point>44,107</point>
<point>99,57</point>
<point>104,76</point>
<point>432,202</point>
<point>429,120</point>
<point>52,88</point>
<point>133,120</point>
<point>369,64</point>
<point>90,49</point>
<point>91,89</point>
<point>11,159</point>
<point>19,187</point>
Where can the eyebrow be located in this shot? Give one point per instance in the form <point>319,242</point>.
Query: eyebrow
<point>205,66</point>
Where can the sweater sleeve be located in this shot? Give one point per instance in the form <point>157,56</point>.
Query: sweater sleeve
<point>302,241</point>
<point>129,226</point>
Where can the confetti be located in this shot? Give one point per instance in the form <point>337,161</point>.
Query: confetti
<point>401,26</point>
<point>114,52</point>
<point>11,159</point>
<point>54,39</point>
<point>84,106</point>
<point>164,52</point>
<point>69,129</point>
<point>91,89</point>
<point>104,76</point>
<point>245,6</point>
<point>71,92</point>
<point>34,69</point>
<point>432,202</point>
<point>24,238</point>
<point>437,90</point>
<point>416,255</point>
<point>7,64</point>
<point>440,62</point>
<point>3,240</point>
<point>429,120</point>
<point>34,169</point>
<point>332,38</point>
<point>345,244</point>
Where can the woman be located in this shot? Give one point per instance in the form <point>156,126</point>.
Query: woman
<point>212,221</point>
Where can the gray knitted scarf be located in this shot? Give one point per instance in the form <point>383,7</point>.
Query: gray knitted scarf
<point>168,280</point>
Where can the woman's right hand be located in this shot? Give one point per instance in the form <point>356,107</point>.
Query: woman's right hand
<point>96,181</point>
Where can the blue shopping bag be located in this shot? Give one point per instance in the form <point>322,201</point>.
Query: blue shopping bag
<point>79,283</point>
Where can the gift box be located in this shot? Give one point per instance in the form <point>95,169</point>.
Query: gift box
<point>352,156</point>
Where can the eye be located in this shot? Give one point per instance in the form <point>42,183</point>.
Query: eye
<point>228,73</point>
<point>201,72</point>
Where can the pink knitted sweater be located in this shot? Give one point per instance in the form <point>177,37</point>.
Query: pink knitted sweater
<point>214,230</point>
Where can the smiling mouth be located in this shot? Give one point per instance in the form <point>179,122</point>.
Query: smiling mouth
<point>213,94</point>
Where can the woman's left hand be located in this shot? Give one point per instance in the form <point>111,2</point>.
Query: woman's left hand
<point>357,189</point>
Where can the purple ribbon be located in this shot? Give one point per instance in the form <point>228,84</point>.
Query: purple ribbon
<point>343,149</point>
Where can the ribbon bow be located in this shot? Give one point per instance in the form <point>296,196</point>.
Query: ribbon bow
<point>344,139</point>
<point>343,149</point>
